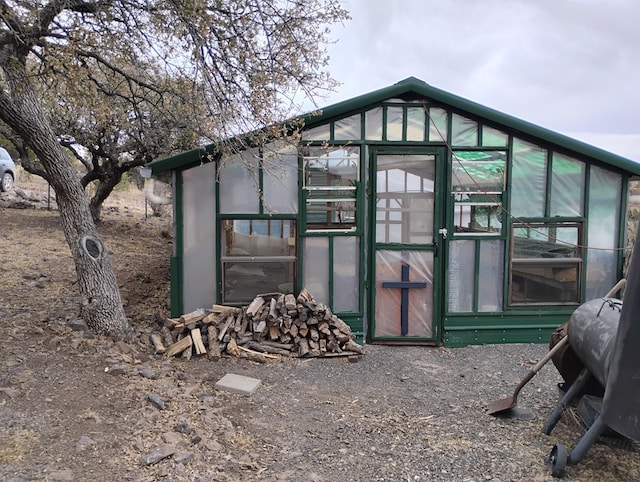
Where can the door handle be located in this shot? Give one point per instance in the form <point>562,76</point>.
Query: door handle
<point>443,232</point>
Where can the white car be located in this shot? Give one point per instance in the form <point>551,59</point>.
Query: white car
<point>7,170</point>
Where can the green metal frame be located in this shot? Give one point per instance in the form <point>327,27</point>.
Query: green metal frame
<point>438,220</point>
<point>176,266</point>
<point>355,320</point>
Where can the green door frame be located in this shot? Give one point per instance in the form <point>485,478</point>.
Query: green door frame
<point>438,248</point>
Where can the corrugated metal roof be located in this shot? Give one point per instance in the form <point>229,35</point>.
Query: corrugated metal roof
<point>423,90</point>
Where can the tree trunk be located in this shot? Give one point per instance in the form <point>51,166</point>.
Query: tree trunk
<point>100,305</point>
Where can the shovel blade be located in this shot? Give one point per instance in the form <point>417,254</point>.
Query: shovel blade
<point>502,405</point>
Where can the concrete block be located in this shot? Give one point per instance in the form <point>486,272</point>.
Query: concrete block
<point>238,384</point>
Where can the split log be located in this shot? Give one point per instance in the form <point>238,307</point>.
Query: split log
<point>193,317</point>
<point>232,347</point>
<point>188,352</point>
<point>252,355</point>
<point>215,352</point>
<point>227,324</point>
<point>263,348</point>
<point>353,346</point>
<point>303,347</point>
<point>255,306</point>
<point>156,340</point>
<point>179,346</point>
<point>221,308</point>
<point>290,302</point>
<point>198,345</point>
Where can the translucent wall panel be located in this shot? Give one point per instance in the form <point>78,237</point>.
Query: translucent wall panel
<point>316,268</point>
<point>239,183</point>
<point>605,188</point>
<point>464,132</point>
<point>320,133</point>
<point>280,179</point>
<point>491,276</point>
<point>199,237</point>
<point>346,279</point>
<point>438,129</point>
<point>460,275</point>
<point>415,123</point>
<point>347,129</point>
<point>528,179</point>
<point>493,137</point>
<point>567,186</point>
<point>394,123</point>
<point>373,124</point>
<point>389,300</point>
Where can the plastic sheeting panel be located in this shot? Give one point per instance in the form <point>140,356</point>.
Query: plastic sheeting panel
<point>389,300</point>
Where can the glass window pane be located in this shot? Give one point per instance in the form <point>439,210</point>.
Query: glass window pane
<point>347,128</point>
<point>239,183</point>
<point>478,171</point>
<point>258,237</point>
<point>319,133</point>
<point>470,218</point>
<point>461,275</point>
<point>280,179</point>
<point>545,284</point>
<point>493,137</point>
<point>404,205</point>
<point>528,180</point>
<point>330,169</point>
<point>394,123</point>
<point>316,268</point>
<point>346,274</point>
<point>605,191</point>
<point>331,214</point>
<point>438,126</point>
<point>415,123</point>
<point>464,131</point>
<point>567,186</point>
<point>550,241</point>
<point>244,280</point>
<point>546,263</point>
<point>373,124</point>
<point>490,289</point>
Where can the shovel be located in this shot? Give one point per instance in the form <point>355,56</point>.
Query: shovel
<point>510,402</point>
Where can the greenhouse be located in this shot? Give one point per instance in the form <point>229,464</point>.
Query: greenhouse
<point>418,216</point>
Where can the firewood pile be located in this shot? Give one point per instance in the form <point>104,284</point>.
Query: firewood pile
<point>271,326</point>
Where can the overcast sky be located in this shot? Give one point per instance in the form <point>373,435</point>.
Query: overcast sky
<point>567,65</point>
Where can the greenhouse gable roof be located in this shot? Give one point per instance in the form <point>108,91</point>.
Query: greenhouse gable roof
<point>416,88</point>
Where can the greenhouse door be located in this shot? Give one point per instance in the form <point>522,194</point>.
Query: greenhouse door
<point>404,250</point>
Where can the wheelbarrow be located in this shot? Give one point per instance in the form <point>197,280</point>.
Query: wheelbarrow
<point>604,336</point>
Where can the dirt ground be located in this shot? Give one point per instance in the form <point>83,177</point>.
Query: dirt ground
<point>78,408</point>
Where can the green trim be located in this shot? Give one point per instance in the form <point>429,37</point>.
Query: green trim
<point>177,266</point>
<point>175,295</point>
<point>497,328</point>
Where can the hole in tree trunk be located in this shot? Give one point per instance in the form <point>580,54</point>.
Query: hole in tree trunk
<point>92,246</point>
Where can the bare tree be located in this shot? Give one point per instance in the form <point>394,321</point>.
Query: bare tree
<point>249,61</point>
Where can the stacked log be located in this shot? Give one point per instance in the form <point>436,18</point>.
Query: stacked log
<point>271,326</point>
